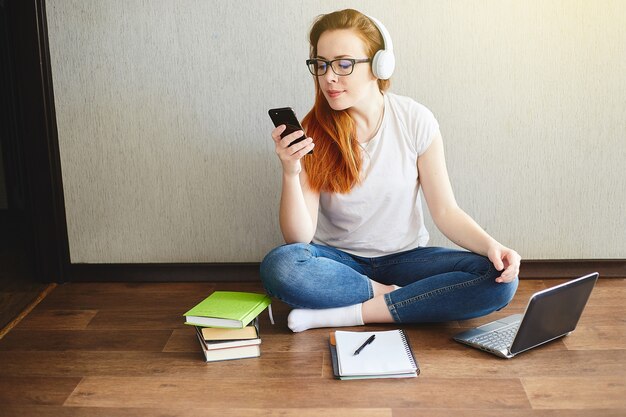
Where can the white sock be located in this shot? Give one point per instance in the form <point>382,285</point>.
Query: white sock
<point>301,319</point>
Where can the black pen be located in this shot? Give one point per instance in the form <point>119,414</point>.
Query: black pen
<point>367,342</point>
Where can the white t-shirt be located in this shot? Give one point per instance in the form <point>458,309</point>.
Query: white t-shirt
<point>383,213</point>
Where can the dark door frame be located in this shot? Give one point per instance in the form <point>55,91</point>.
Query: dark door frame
<point>37,129</point>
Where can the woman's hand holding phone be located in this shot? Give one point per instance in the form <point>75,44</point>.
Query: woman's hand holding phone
<point>298,204</point>
<point>291,143</point>
<point>290,153</point>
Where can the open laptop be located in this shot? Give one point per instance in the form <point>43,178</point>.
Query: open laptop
<point>550,314</point>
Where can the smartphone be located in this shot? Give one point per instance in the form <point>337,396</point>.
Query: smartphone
<point>286,116</point>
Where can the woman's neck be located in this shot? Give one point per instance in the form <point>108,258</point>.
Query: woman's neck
<point>368,116</point>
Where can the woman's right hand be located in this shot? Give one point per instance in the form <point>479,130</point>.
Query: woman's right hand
<point>290,155</point>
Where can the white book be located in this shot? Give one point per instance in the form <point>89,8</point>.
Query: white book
<point>389,355</point>
<point>239,352</point>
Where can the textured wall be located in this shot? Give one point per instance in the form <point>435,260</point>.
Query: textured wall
<point>164,134</point>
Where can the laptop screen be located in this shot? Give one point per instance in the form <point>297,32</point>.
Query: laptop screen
<point>552,313</point>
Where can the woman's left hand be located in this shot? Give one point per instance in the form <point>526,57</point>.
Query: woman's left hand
<point>505,260</point>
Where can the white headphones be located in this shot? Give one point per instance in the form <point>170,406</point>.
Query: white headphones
<point>384,60</point>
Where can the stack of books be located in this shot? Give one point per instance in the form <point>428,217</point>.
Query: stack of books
<point>227,324</point>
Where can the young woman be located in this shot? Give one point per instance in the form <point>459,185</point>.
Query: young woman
<point>350,212</point>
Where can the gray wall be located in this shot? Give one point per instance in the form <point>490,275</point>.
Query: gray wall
<point>164,134</point>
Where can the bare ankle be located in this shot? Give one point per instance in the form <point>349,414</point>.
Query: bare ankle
<point>380,289</point>
<point>376,311</point>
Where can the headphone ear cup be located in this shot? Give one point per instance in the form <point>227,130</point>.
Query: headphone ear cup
<point>383,64</point>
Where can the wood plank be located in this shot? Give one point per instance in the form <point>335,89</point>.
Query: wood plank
<point>57,320</point>
<point>576,392</point>
<point>127,296</point>
<point>605,295</point>
<point>36,390</point>
<point>188,411</point>
<point>149,319</point>
<point>411,412</point>
<point>310,393</point>
<point>612,283</point>
<point>597,337</point>
<point>534,363</point>
<point>297,342</point>
<point>60,411</point>
<point>95,340</point>
<point>601,315</point>
<point>182,340</point>
<point>148,364</point>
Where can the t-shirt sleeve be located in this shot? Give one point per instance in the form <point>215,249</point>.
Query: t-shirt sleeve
<point>426,127</point>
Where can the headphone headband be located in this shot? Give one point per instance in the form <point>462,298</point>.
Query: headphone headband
<point>388,44</point>
<point>384,60</point>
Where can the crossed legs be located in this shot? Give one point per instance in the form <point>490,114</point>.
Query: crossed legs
<point>330,288</point>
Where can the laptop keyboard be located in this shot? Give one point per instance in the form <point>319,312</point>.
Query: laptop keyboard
<point>498,340</point>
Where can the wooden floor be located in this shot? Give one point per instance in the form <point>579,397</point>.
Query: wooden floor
<point>113,349</point>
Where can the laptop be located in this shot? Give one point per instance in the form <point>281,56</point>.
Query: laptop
<point>550,314</point>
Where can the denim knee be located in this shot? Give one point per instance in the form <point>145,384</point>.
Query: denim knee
<point>499,294</point>
<point>277,266</point>
<point>507,290</point>
<point>502,293</point>
<point>477,264</point>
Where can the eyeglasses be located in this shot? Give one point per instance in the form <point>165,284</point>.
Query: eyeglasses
<point>342,66</point>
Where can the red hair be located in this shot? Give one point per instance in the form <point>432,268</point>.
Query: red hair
<point>336,163</point>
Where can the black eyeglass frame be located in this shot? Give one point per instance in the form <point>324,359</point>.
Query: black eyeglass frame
<point>329,64</point>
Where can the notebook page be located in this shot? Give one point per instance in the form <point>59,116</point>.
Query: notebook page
<point>387,354</point>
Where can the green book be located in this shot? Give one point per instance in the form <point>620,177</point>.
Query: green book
<point>229,309</point>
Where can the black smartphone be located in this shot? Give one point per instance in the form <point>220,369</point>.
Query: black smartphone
<point>286,116</point>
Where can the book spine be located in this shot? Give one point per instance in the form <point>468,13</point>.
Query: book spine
<point>334,360</point>
<point>409,351</point>
<point>254,312</point>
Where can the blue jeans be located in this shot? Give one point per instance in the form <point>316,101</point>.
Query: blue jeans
<point>438,284</point>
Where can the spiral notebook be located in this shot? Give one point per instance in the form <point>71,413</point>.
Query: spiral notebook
<point>388,356</point>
